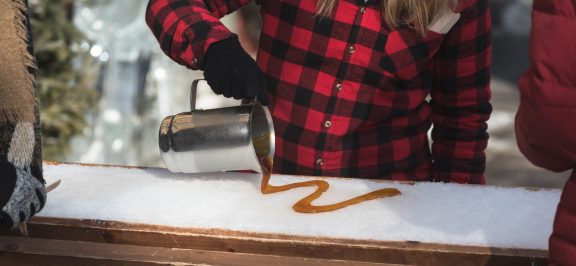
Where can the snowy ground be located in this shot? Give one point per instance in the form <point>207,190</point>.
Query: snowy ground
<point>425,212</point>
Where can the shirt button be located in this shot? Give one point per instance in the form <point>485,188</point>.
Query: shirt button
<point>319,162</point>
<point>351,49</point>
<point>362,10</point>
<point>327,124</point>
<point>194,62</point>
<point>339,86</point>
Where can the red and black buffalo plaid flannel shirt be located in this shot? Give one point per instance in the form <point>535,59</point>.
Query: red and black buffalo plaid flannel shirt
<point>349,95</point>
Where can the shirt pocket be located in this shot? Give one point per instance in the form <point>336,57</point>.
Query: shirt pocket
<point>407,55</point>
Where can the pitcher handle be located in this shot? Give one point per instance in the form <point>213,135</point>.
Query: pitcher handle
<point>193,91</point>
<point>202,82</point>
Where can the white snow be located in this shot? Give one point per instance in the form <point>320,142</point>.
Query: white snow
<point>426,212</point>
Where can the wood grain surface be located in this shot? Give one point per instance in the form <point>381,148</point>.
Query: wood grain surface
<point>95,241</point>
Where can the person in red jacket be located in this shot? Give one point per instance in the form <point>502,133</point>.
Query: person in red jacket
<point>347,81</point>
<point>546,118</point>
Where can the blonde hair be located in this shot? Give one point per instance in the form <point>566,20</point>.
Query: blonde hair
<point>419,13</point>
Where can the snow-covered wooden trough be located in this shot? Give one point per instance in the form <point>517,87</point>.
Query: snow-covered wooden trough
<point>143,216</point>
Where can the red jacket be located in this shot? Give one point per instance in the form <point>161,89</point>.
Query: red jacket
<point>348,94</point>
<point>546,119</point>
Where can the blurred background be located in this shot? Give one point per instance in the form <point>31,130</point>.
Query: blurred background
<point>105,85</point>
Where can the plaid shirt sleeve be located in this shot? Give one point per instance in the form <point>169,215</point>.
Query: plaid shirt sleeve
<point>186,28</point>
<point>460,98</point>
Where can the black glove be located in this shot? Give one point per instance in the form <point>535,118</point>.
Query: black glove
<point>21,195</point>
<point>230,71</point>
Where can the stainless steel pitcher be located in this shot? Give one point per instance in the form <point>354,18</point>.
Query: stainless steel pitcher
<point>213,140</point>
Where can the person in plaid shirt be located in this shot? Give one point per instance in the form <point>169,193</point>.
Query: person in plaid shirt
<point>347,83</point>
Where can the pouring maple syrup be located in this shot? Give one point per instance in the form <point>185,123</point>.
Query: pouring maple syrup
<point>305,205</point>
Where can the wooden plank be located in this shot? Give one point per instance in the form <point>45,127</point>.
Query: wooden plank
<point>16,250</point>
<point>412,253</point>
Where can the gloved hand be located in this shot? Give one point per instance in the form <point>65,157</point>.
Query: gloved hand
<point>21,195</point>
<point>230,71</point>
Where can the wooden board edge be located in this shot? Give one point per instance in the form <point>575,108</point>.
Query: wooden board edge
<point>100,253</point>
<point>275,244</point>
